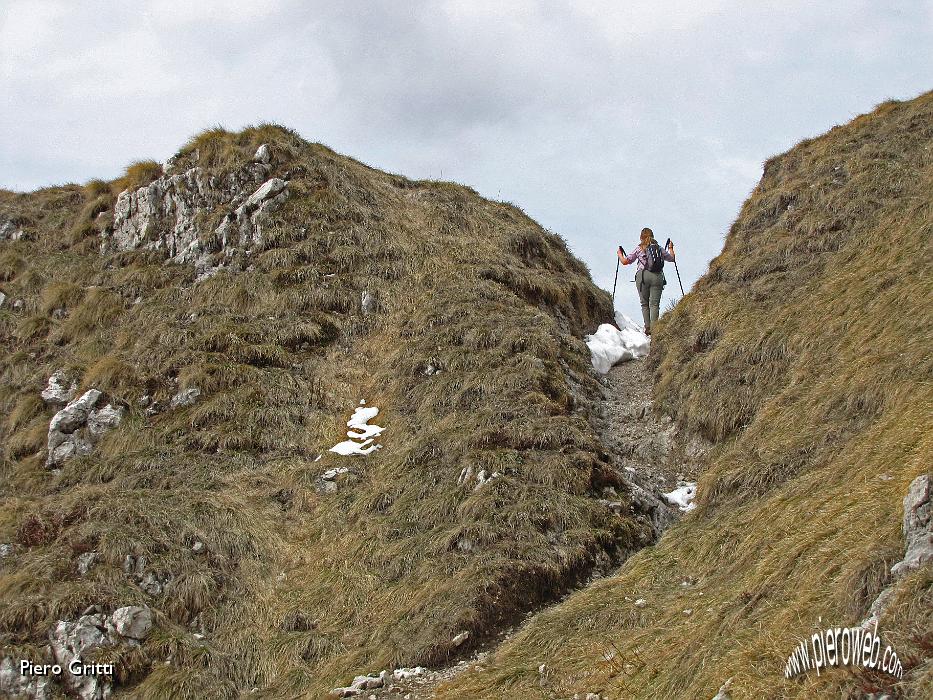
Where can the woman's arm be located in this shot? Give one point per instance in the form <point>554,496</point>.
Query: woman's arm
<point>627,259</point>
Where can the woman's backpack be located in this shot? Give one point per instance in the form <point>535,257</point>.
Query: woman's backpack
<point>654,259</point>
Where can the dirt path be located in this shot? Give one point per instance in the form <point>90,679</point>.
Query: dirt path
<point>643,448</point>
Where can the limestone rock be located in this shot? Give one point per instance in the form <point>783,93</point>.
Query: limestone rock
<point>245,222</point>
<point>263,154</point>
<point>918,536</point>
<point>164,215</point>
<point>13,684</point>
<point>76,413</point>
<point>60,388</point>
<point>86,562</point>
<point>459,639</point>
<point>10,231</point>
<point>367,302</point>
<point>185,398</point>
<point>723,693</point>
<point>69,641</point>
<point>917,526</point>
<point>360,684</point>
<point>107,418</point>
<point>132,621</point>
<point>75,428</point>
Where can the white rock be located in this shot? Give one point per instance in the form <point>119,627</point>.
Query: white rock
<point>723,693</point>
<point>185,398</point>
<point>917,526</point>
<point>640,603</point>
<point>151,584</point>
<point>104,419</point>
<point>6,549</point>
<point>401,674</point>
<point>367,302</point>
<point>683,496</point>
<point>10,231</point>
<point>86,561</point>
<point>459,639</point>
<point>69,641</point>
<point>60,389</point>
<point>197,547</point>
<point>12,684</point>
<point>263,154</point>
<point>75,414</point>
<point>332,474</point>
<point>2,299</point>
<point>132,621</point>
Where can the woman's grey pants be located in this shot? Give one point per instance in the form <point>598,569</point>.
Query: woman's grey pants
<point>649,286</point>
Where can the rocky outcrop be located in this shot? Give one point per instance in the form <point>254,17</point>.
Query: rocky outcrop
<point>917,527</point>
<point>918,536</point>
<point>168,214</point>
<point>75,429</point>
<point>13,684</point>
<point>70,642</point>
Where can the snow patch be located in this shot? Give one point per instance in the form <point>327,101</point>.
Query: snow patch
<point>361,433</point>
<point>610,345</point>
<point>683,496</point>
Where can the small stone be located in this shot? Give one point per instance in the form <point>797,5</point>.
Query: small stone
<point>185,398</point>
<point>640,603</point>
<point>6,549</point>
<point>60,388</point>
<point>107,418</point>
<point>367,302</point>
<point>132,621</point>
<point>459,639</point>
<point>197,547</point>
<point>263,154</point>
<point>151,584</point>
<point>85,562</point>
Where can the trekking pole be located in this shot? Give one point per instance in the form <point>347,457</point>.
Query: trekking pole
<point>676,269</point>
<point>616,280</point>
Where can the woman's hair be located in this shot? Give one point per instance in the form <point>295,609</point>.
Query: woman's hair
<point>647,235</point>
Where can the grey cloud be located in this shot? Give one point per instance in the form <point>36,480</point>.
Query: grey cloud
<point>597,118</point>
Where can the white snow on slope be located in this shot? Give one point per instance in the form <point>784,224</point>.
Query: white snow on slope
<point>610,345</point>
<point>361,433</point>
<point>683,496</point>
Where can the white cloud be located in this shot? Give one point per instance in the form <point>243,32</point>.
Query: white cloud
<point>596,117</point>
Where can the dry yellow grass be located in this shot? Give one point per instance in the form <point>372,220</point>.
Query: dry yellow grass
<point>804,353</point>
<point>299,591</point>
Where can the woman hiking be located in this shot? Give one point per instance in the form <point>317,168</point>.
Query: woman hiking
<point>649,279</point>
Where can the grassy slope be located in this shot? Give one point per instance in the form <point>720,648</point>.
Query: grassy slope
<point>299,591</point>
<point>805,353</point>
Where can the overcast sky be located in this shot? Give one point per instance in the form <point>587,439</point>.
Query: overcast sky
<point>597,118</point>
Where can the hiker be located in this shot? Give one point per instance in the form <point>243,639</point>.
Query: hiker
<point>649,279</point>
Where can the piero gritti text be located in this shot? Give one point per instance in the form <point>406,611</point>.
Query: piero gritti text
<point>75,668</point>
